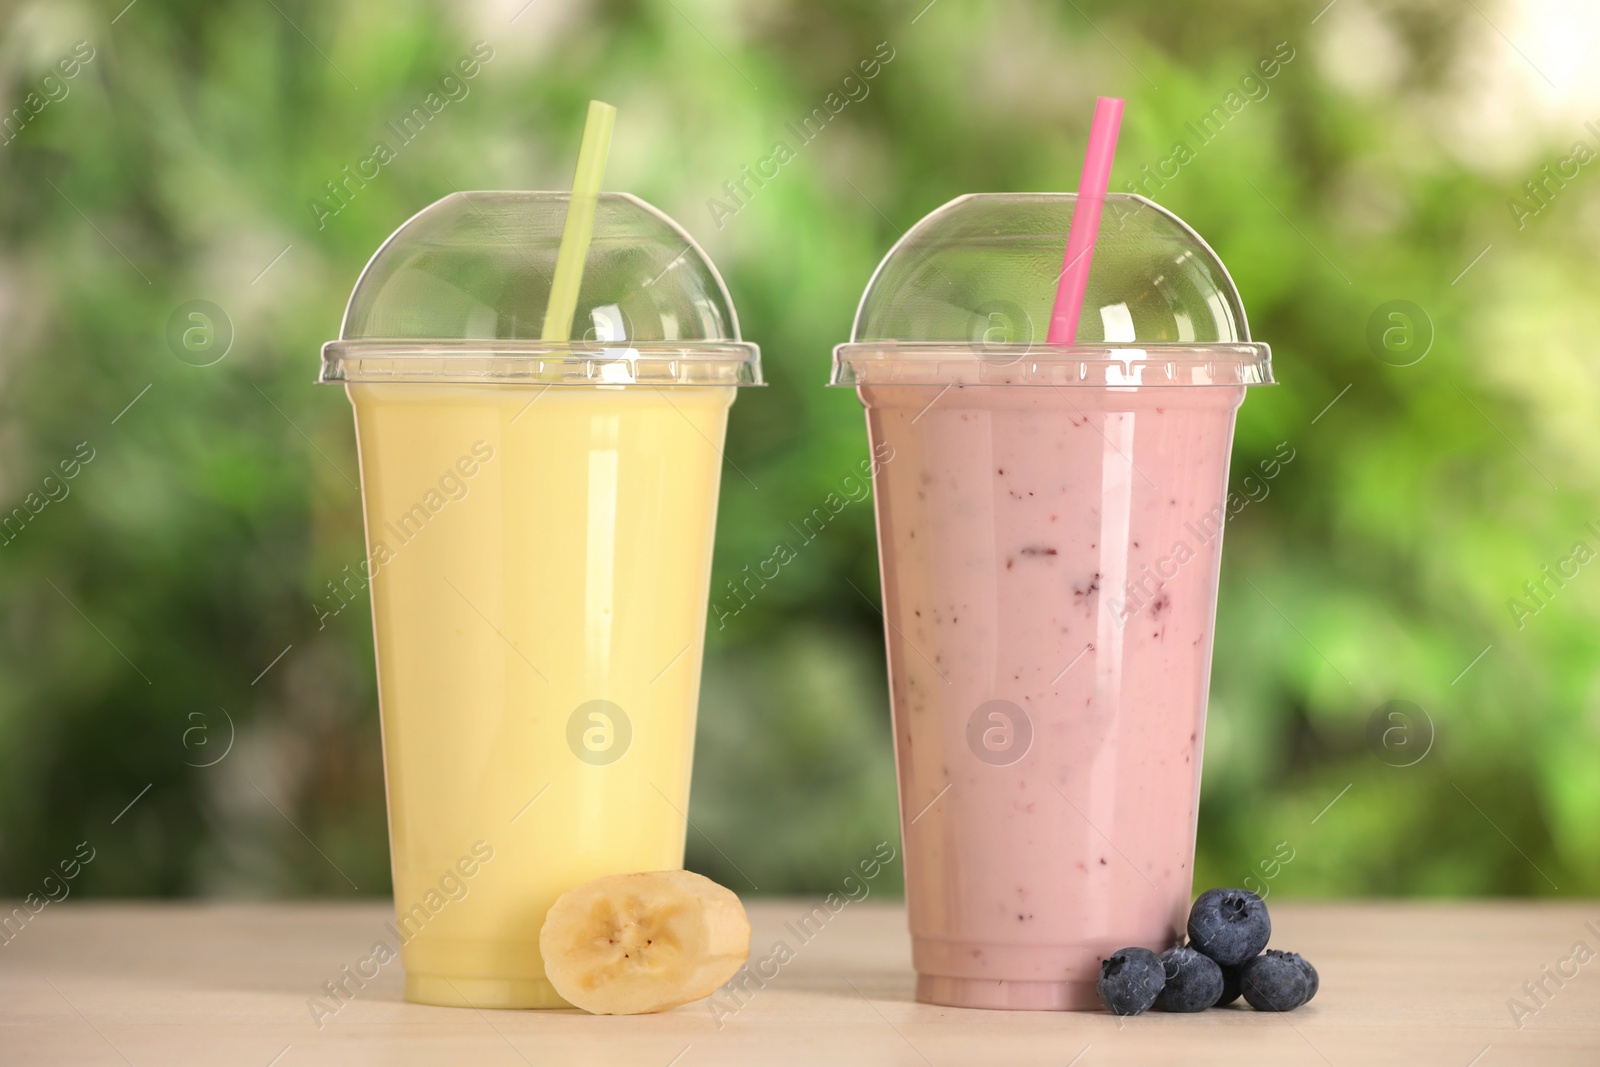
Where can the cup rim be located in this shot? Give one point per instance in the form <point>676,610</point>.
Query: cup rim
<point>1136,364</point>
<point>543,363</point>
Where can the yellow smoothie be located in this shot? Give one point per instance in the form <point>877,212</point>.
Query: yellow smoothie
<point>533,551</point>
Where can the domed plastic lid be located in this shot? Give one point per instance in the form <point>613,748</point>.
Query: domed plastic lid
<point>965,298</point>
<point>458,294</point>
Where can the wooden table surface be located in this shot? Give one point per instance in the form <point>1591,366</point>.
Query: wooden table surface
<point>229,984</point>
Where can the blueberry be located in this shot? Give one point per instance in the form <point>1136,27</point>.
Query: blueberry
<point>1230,986</point>
<point>1193,981</point>
<point>1273,981</point>
<point>1312,981</point>
<point>1130,980</point>
<point>1229,925</point>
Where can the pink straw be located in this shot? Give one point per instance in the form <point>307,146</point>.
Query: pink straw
<point>1085,226</point>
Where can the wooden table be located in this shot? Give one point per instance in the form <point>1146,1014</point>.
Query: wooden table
<point>203,984</point>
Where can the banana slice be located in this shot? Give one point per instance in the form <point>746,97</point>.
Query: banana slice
<point>629,944</point>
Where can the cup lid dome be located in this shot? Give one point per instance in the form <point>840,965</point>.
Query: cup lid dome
<point>966,296</point>
<point>459,292</point>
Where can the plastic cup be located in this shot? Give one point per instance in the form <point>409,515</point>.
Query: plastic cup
<point>1049,529</point>
<point>539,521</point>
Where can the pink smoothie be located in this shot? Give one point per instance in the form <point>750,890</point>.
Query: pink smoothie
<point>1025,561</point>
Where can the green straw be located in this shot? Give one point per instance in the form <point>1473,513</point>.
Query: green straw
<point>580,222</point>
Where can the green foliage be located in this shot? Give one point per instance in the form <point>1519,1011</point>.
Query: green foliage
<point>191,549</point>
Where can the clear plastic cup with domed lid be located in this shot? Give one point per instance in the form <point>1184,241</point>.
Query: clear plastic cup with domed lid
<point>1050,524</point>
<point>539,517</point>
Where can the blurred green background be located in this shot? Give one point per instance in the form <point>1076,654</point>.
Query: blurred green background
<point>142,609</point>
